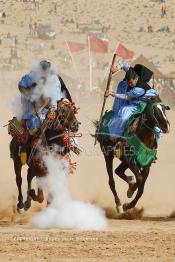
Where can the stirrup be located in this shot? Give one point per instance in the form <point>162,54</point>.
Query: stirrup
<point>118,152</point>
<point>23,157</point>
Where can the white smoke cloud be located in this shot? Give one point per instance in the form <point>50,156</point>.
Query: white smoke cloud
<point>35,67</point>
<point>50,88</point>
<point>16,107</point>
<point>64,212</point>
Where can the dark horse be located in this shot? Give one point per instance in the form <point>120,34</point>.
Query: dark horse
<point>54,133</point>
<point>143,126</point>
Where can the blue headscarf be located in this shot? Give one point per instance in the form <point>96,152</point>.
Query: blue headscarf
<point>26,82</point>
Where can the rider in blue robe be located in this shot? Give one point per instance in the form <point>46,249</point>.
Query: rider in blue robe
<point>36,103</point>
<point>126,102</point>
<point>28,85</point>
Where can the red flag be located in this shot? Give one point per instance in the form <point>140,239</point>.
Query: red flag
<point>75,47</point>
<point>98,45</point>
<point>123,52</point>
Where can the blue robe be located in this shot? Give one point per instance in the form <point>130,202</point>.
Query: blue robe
<point>124,109</point>
<point>28,109</point>
<point>29,114</point>
<point>56,91</point>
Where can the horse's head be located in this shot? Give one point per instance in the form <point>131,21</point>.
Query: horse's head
<point>66,118</point>
<point>157,115</point>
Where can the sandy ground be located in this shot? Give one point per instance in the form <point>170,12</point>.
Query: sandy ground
<point>146,240</point>
<point>150,237</point>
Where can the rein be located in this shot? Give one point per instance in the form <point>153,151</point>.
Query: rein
<point>34,148</point>
<point>56,119</point>
<point>49,120</point>
<point>144,124</point>
<point>151,113</point>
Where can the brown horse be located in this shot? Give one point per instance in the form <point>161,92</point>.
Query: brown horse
<point>143,126</point>
<point>54,136</point>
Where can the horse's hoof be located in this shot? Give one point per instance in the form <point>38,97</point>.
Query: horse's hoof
<point>32,193</point>
<point>120,210</point>
<point>20,210</point>
<point>131,180</point>
<point>126,206</point>
<point>132,188</point>
<point>27,205</point>
<point>40,199</point>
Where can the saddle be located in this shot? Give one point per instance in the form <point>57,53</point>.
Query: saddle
<point>18,130</point>
<point>104,130</point>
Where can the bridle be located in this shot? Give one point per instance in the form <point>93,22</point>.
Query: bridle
<point>151,114</point>
<point>56,117</point>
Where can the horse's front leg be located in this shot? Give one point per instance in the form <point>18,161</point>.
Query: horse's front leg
<point>109,165</point>
<point>140,184</point>
<point>30,176</point>
<point>120,171</point>
<point>18,167</point>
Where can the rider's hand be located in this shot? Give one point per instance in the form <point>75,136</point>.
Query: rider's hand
<point>147,99</point>
<point>123,65</point>
<point>106,94</point>
<point>114,69</point>
<point>39,112</point>
<point>109,93</point>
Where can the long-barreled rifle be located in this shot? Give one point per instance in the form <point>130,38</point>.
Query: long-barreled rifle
<point>104,101</point>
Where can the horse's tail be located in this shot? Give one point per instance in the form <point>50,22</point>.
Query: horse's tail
<point>95,124</point>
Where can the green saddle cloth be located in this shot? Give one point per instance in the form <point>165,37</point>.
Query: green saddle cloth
<point>104,130</point>
<point>140,110</point>
<point>140,153</point>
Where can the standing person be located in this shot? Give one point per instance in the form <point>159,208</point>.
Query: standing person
<point>37,4</point>
<point>30,28</point>
<point>1,38</point>
<point>35,28</point>
<point>163,11</point>
<point>3,15</point>
<point>55,7</point>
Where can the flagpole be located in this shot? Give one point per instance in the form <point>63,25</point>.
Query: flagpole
<point>90,64</point>
<point>73,62</point>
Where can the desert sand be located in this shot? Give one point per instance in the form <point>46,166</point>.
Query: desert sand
<point>146,236</point>
<point>122,241</point>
